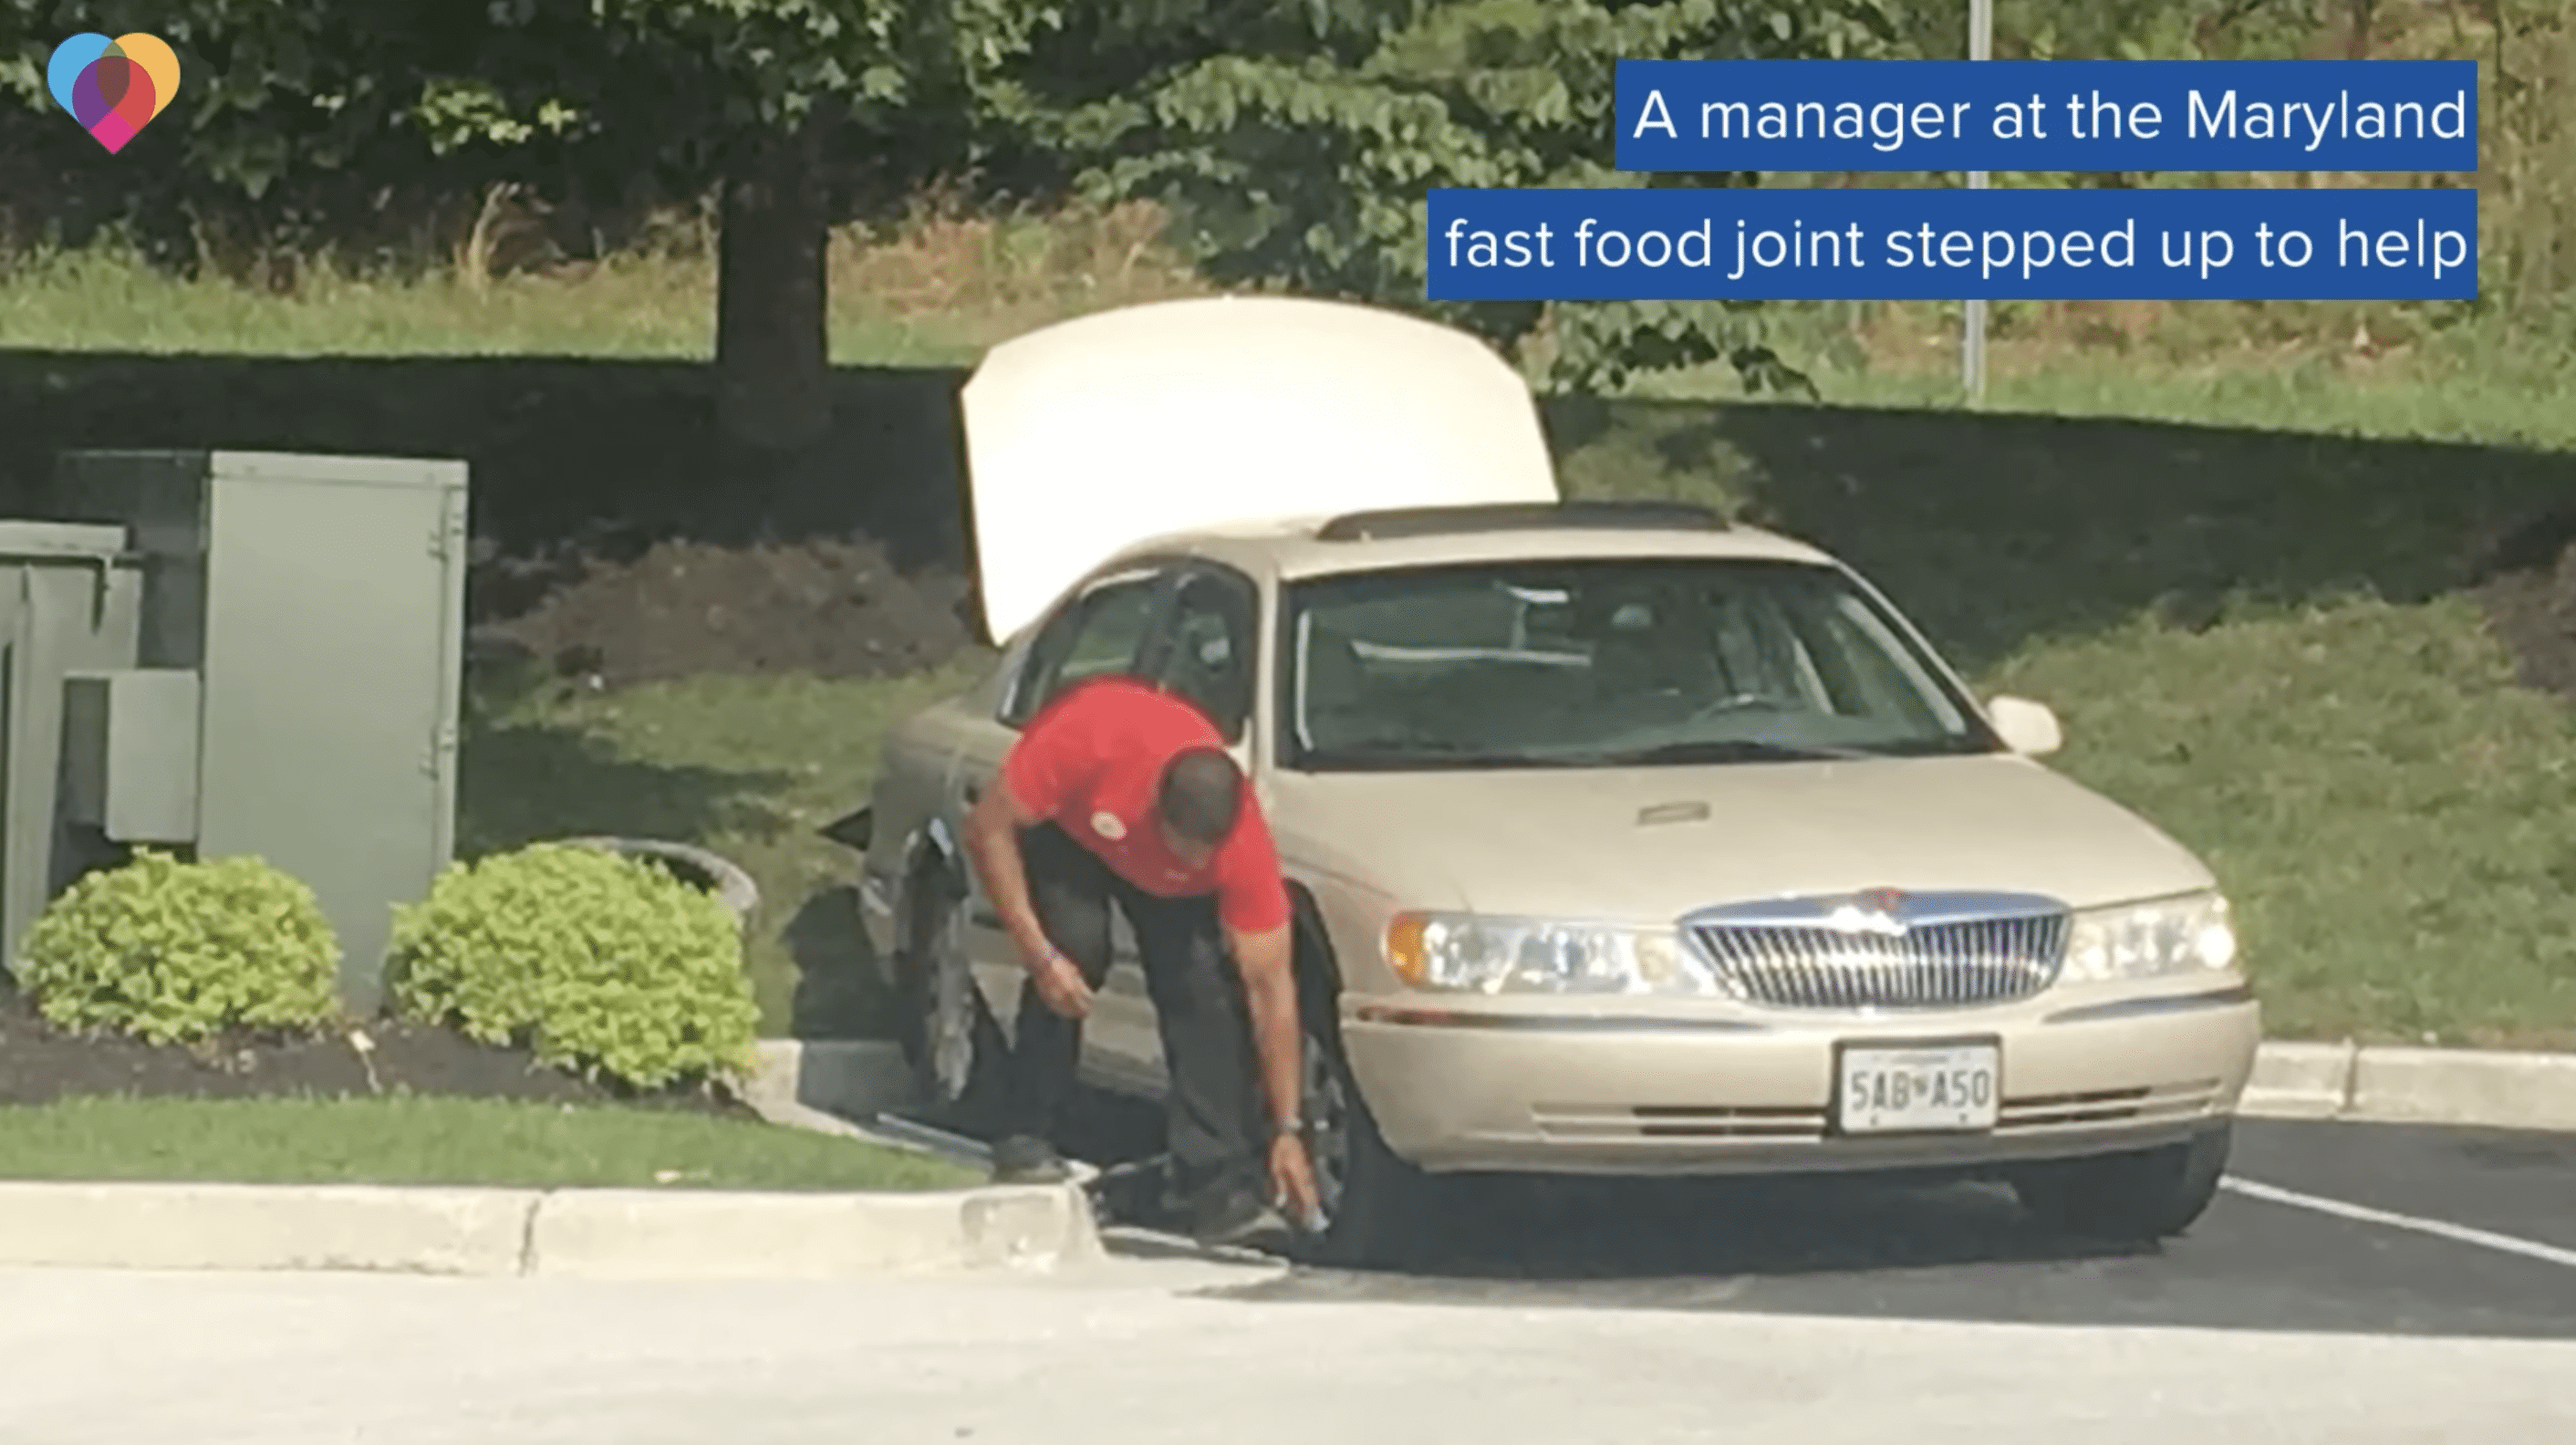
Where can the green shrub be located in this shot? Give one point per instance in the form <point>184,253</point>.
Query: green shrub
<point>177,952</point>
<point>599,964</point>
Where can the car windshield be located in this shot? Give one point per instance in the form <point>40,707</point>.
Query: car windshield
<point>1605,663</point>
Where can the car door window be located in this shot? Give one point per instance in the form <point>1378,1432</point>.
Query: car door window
<point>1206,653</point>
<point>1885,680</point>
<point>1100,633</point>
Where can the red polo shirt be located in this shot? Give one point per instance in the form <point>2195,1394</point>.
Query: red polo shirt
<point>1091,761</point>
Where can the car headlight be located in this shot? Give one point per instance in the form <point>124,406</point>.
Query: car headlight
<point>1471,953</point>
<point>2159,939</point>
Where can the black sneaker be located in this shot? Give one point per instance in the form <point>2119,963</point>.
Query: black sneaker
<point>1229,1216</point>
<point>1133,1193</point>
<point>1021,1159</point>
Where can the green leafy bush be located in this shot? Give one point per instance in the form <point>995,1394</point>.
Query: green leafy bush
<point>177,952</point>
<point>598,963</point>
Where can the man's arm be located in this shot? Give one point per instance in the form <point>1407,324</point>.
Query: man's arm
<point>993,830</point>
<point>1270,988</point>
<point>993,845</point>
<point>1260,931</point>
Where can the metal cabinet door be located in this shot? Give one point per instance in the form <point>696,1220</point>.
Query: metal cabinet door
<point>333,641</point>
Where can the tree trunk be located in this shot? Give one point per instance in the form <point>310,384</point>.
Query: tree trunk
<point>2359,20</point>
<point>773,373</point>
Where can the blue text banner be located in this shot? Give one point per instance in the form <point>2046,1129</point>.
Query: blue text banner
<point>1713,243</point>
<point>2047,115</point>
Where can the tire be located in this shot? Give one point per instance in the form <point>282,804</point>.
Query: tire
<point>2151,1195</point>
<point>956,1050</point>
<point>1377,1207</point>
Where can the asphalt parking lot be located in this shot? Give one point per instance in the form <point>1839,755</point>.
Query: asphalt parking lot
<point>2326,1227</point>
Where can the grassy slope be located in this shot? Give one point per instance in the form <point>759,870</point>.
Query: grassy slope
<point>934,294</point>
<point>2387,805</point>
<point>441,1141</point>
<point>2259,641</point>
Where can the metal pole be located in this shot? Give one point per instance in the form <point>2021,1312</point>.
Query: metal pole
<point>1972,330</point>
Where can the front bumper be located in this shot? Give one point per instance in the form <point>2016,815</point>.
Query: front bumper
<point>1455,1090</point>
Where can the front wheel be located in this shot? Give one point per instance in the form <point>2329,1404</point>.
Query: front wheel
<point>2150,1195</point>
<point>956,1050</point>
<point>1376,1207</point>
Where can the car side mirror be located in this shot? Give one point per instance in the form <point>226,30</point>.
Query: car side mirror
<point>852,830</point>
<point>2027,727</point>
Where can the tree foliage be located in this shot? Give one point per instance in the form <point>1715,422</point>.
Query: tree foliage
<point>2126,29</point>
<point>664,90</point>
<point>1295,143</point>
<point>1292,142</point>
<point>794,113</point>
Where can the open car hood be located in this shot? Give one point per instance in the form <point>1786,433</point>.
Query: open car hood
<point>1089,436</point>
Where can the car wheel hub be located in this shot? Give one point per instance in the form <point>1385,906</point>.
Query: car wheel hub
<point>1327,1107</point>
<point>950,1029</point>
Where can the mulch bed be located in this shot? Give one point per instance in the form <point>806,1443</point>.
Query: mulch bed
<point>39,1065</point>
<point>2529,593</point>
<point>830,607</point>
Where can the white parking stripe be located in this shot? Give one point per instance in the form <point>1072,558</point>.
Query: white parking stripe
<point>2440,1229</point>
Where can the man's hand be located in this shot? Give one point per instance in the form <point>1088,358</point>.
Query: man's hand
<point>1292,1177</point>
<point>1060,984</point>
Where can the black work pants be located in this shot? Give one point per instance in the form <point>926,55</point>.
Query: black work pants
<point>1212,1102</point>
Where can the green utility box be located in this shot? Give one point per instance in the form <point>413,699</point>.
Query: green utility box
<point>69,603</point>
<point>294,684</point>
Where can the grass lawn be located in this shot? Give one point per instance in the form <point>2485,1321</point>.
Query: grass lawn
<point>2389,810</point>
<point>2500,392</point>
<point>2245,577</point>
<point>442,1141</point>
<point>935,292</point>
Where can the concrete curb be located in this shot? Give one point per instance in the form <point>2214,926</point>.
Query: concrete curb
<point>578,1233</point>
<point>854,1078</point>
<point>2376,1084</point>
<point>265,1227</point>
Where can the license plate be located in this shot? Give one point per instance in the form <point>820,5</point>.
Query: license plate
<point>1911,1089</point>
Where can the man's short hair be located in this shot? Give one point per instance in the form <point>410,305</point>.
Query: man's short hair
<point>1201,795</point>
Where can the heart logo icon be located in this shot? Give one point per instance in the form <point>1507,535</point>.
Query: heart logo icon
<point>113,87</point>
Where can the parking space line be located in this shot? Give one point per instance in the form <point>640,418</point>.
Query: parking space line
<point>2440,1229</point>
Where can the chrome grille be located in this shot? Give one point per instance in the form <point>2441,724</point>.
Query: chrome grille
<point>1884,950</point>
